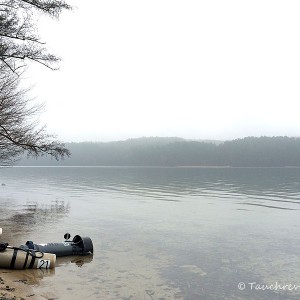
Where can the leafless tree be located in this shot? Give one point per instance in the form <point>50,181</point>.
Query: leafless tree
<point>19,43</point>
<point>19,127</point>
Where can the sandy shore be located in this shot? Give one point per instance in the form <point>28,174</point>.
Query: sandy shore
<point>14,287</point>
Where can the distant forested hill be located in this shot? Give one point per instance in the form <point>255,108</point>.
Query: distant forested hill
<point>246,152</point>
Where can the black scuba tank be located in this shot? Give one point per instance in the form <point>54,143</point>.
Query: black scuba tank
<point>78,246</point>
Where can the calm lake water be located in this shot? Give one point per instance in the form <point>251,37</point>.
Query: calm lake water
<point>159,233</point>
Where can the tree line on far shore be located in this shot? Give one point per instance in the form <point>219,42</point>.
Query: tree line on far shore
<point>246,152</point>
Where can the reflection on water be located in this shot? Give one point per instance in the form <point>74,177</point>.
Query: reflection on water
<point>31,277</point>
<point>31,215</point>
<point>33,212</point>
<point>35,277</point>
<point>79,261</point>
<point>159,233</point>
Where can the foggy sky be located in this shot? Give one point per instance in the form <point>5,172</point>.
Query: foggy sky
<point>193,69</point>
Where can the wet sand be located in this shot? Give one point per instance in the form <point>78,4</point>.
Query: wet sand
<point>13,287</point>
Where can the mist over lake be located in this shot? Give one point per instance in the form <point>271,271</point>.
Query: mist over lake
<point>277,151</point>
<point>159,233</point>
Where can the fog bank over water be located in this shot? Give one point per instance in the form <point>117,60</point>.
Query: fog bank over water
<point>172,152</point>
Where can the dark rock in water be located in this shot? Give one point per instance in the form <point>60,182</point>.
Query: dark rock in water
<point>3,184</point>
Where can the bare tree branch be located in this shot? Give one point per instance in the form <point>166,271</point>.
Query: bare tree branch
<point>20,131</point>
<point>19,40</point>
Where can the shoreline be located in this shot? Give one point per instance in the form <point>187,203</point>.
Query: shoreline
<point>13,286</point>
